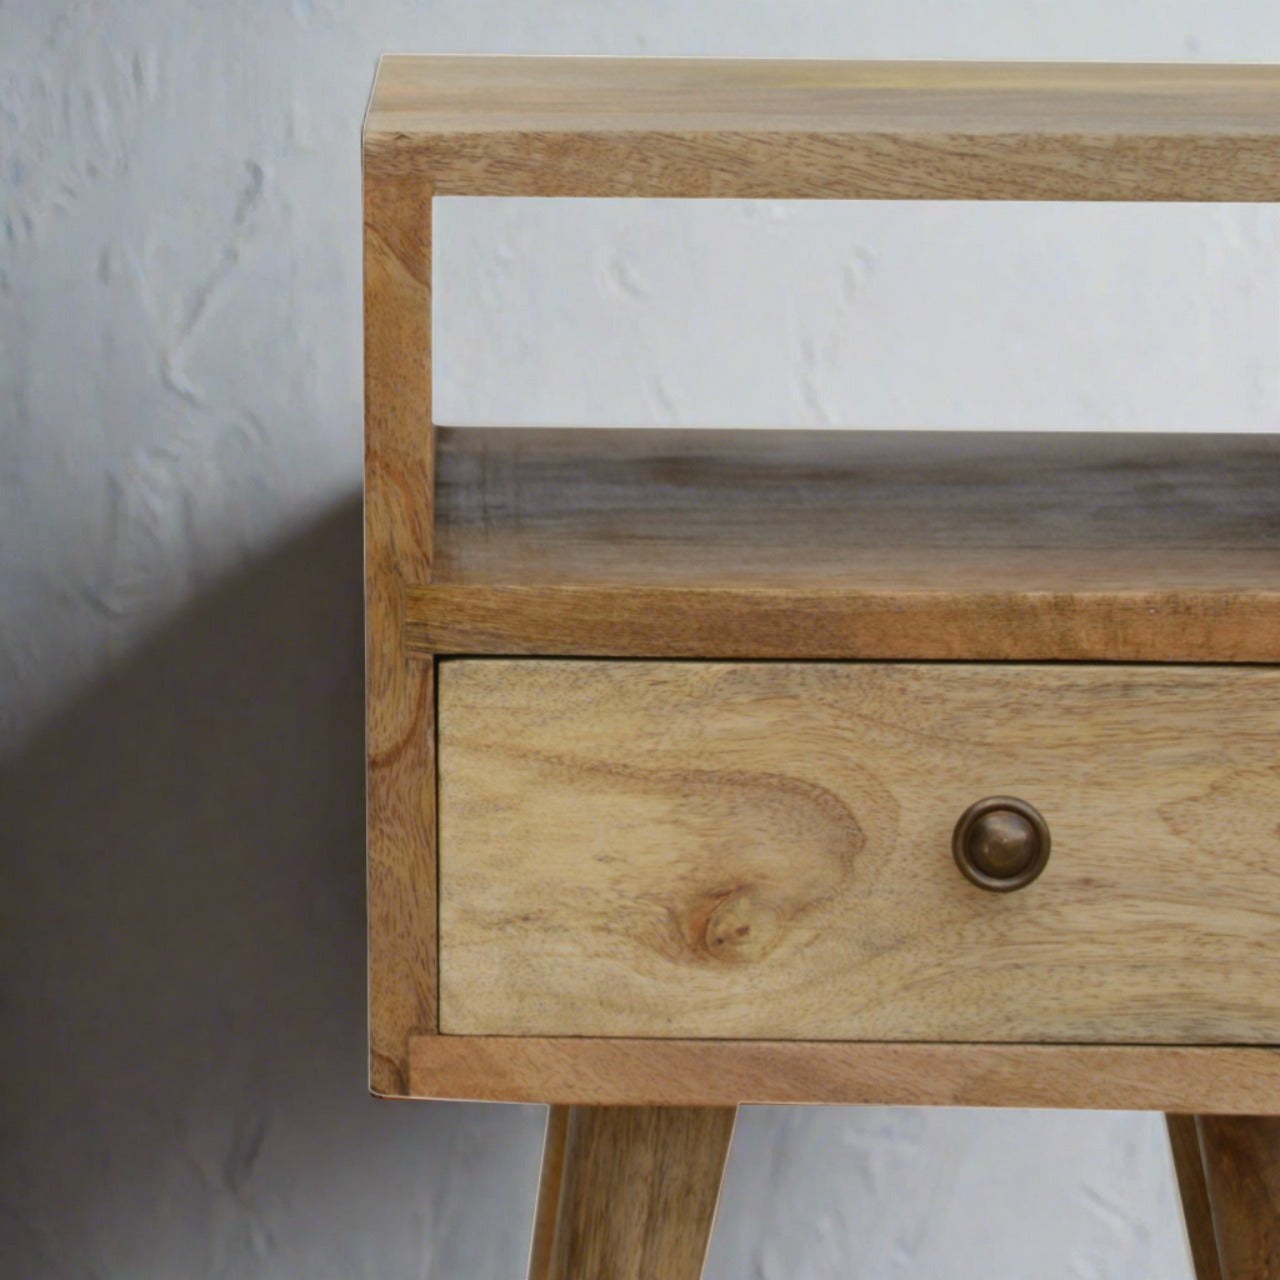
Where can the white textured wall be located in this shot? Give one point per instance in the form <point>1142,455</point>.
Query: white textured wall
<point>180,812</point>
<point>883,313</point>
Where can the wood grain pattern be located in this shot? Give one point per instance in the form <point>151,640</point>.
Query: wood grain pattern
<point>730,1072</point>
<point>763,850</point>
<point>1057,511</point>
<point>399,691</point>
<point>1242,1170</point>
<point>595,571</point>
<point>775,544</point>
<point>780,623</point>
<point>788,128</point>
<point>1197,1214</point>
<point>635,1190</point>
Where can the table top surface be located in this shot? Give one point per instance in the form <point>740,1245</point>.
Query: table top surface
<point>418,94</point>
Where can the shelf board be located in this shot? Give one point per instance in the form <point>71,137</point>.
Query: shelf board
<point>802,544</point>
<point>780,128</point>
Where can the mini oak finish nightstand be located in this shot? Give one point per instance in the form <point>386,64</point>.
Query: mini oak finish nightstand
<point>722,767</point>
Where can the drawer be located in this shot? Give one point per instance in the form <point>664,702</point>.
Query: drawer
<point>764,850</point>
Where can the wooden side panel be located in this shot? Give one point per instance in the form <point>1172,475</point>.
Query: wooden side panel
<point>636,1190</point>
<point>711,1073</point>
<point>399,689</point>
<point>763,850</point>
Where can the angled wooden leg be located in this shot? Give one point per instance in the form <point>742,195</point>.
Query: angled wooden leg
<point>1184,1140</point>
<point>1239,1180</point>
<point>1241,1157</point>
<point>629,1193</point>
<point>544,1217</point>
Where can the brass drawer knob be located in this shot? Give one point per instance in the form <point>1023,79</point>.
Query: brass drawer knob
<point>1001,843</point>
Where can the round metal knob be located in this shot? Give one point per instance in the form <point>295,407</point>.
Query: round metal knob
<point>1001,843</point>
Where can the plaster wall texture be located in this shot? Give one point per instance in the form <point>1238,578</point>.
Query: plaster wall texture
<point>944,315</point>
<point>182,1087</point>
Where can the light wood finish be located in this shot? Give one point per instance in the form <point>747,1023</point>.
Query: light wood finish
<point>778,128</point>
<point>763,850</point>
<point>785,544</point>
<point>730,1072</point>
<point>1147,626</point>
<point>1055,511</point>
<point>635,1192</point>
<point>1242,1171</point>
<point>399,692</point>
<point>1184,1143</point>
<point>1177,561</point>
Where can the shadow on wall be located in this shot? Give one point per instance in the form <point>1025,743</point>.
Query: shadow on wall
<point>182,956</point>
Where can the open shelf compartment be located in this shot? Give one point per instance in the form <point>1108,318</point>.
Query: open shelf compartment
<point>846,544</point>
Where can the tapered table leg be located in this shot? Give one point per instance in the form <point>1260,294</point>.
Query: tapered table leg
<point>1184,1141</point>
<point>1239,1180</point>
<point>629,1193</point>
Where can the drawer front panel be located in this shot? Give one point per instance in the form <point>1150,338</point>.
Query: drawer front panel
<point>764,850</point>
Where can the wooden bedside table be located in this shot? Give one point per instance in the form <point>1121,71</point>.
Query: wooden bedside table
<point>694,757</point>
